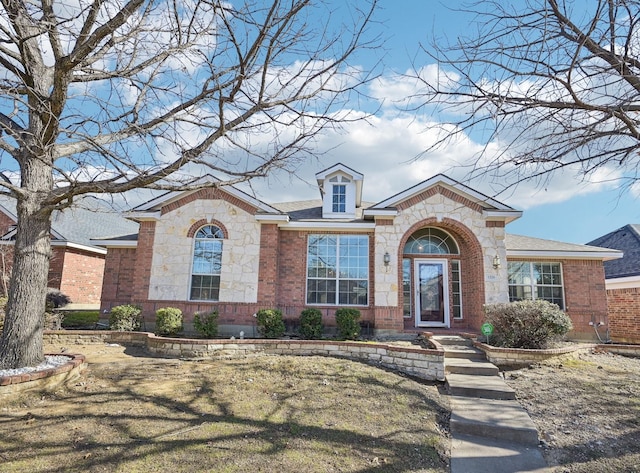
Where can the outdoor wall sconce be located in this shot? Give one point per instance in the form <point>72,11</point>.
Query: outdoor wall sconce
<point>386,259</point>
<point>496,262</point>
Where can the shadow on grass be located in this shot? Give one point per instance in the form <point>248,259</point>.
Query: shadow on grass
<point>262,414</point>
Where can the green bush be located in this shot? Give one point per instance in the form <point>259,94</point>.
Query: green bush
<point>56,299</point>
<point>125,318</point>
<point>311,324</point>
<point>168,321</point>
<point>270,323</point>
<point>526,324</point>
<point>84,318</point>
<point>347,323</point>
<point>206,324</point>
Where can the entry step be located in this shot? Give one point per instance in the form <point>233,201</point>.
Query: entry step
<point>487,387</point>
<point>470,366</point>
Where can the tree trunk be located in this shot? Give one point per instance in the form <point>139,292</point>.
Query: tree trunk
<point>22,337</point>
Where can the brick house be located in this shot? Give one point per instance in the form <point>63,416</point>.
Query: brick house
<point>76,267</point>
<point>426,258</point>
<point>622,280</point>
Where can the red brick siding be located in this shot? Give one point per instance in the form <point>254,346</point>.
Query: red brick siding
<point>5,223</point>
<point>585,295</point>
<point>624,315</point>
<point>292,278</point>
<point>56,267</point>
<point>202,222</point>
<point>268,265</point>
<point>144,257</point>
<point>117,285</point>
<point>82,274</point>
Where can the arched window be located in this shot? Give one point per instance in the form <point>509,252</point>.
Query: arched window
<point>207,263</point>
<point>431,241</point>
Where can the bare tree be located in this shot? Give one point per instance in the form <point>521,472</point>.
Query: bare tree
<point>106,96</point>
<point>550,84</point>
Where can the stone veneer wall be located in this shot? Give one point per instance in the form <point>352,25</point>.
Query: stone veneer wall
<point>419,362</point>
<point>173,252</point>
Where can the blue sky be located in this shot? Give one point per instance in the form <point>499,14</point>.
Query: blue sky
<point>565,209</point>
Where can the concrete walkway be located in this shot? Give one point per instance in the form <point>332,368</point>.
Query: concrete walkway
<point>490,431</point>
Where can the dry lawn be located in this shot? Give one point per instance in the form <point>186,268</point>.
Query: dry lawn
<point>129,412</point>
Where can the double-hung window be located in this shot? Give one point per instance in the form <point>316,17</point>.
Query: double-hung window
<point>207,264</point>
<point>339,198</point>
<point>533,280</point>
<point>338,269</point>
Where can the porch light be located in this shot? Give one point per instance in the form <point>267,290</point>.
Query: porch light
<point>386,258</point>
<point>496,262</point>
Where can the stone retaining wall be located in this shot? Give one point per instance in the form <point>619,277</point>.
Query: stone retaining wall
<point>519,357</point>
<point>45,379</point>
<point>422,363</point>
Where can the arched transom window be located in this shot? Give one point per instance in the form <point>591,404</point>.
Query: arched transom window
<point>207,264</point>
<point>431,241</point>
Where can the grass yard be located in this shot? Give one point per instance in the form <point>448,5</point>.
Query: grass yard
<point>133,413</point>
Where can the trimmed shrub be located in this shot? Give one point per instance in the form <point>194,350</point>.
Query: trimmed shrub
<point>84,318</point>
<point>125,318</point>
<point>270,323</point>
<point>168,321</point>
<point>526,324</point>
<point>311,324</point>
<point>347,323</point>
<point>206,324</point>
<point>56,299</point>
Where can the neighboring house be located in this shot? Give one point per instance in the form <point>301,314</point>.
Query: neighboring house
<point>623,283</point>
<point>77,265</point>
<point>427,258</point>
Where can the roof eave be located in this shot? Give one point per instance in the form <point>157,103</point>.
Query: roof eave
<point>550,254</point>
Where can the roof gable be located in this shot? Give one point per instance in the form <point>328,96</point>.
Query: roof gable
<point>454,190</point>
<point>209,188</point>
<point>627,240</point>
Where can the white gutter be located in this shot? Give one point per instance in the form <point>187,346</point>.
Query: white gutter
<point>599,255</point>
<point>116,243</point>
<point>329,226</point>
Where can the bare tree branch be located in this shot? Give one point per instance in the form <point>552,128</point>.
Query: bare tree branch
<point>555,85</point>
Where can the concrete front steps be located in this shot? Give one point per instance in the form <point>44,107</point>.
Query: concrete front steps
<point>490,431</point>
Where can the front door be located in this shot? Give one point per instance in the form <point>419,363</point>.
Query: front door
<point>431,293</point>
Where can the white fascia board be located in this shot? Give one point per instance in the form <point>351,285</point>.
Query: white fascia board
<point>380,212</point>
<point>507,215</point>
<point>329,226</point>
<point>592,255</point>
<point>77,246</point>
<point>143,215</point>
<point>272,218</point>
<point>630,282</point>
<point>116,243</point>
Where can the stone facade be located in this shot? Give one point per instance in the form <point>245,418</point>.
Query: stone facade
<point>173,252</point>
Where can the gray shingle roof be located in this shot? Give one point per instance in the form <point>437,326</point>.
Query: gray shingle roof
<point>310,209</point>
<point>626,239</point>
<point>526,243</point>
<point>89,218</point>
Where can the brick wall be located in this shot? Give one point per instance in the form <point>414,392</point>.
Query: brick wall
<point>82,274</point>
<point>585,295</point>
<point>624,315</point>
<point>117,285</point>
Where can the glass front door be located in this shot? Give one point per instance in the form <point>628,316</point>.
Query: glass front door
<point>432,293</point>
